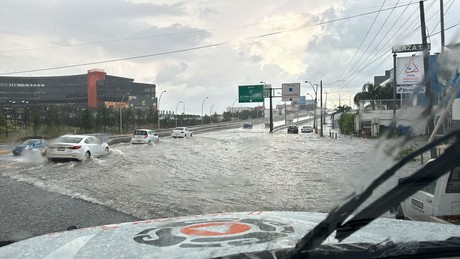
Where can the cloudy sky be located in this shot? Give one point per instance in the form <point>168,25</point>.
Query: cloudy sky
<point>195,49</point>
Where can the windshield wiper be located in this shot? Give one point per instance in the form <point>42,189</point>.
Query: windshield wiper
<point>334,221</point>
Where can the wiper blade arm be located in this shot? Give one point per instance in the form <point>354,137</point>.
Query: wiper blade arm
<point>339,214</point>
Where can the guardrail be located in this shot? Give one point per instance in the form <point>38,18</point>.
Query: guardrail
<point>280,127</point>
<point>195,129</point>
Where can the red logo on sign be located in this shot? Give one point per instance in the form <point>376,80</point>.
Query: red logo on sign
<point>215,229</point>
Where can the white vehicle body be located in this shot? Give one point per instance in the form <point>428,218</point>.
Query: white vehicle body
<point>307,129</point>
<point>210,236</point>
<point>79,147</point>
<point>181,132</point>
<point>439,201</point>
<point>144,136</point>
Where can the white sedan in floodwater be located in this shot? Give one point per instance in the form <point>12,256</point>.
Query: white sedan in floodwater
<point>76,147</point>
<point>181,132</point>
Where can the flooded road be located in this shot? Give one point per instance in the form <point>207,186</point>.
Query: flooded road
<point>229,170</point>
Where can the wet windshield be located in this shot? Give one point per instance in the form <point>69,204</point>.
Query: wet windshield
<point>67,139</point>
<point>30,142</point>
<point>287,107</point>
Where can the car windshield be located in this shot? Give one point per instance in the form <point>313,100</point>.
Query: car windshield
<point>30,142</point>
<point>280,117</point>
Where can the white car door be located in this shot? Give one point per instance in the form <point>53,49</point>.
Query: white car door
<point>95,146</point>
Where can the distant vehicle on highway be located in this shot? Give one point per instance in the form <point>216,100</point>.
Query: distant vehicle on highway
<point>144,136</point>
<point>29,146</point>
<point>76,147</point>
<point>306,129</point>
<point>293,129</point>
<point>247,125</point>
<point>181,132</point>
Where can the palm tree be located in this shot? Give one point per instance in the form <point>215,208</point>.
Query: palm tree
<point>369,92</point>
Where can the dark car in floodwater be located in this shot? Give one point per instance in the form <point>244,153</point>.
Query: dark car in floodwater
<point>30,145</point>
<point>293,129</point>
<point>247,126</point>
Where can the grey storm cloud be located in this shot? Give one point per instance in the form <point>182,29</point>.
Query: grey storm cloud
<point>62,20</point>
<point>170,72</point>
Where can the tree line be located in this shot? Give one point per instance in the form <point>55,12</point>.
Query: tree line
<point>53,120</point>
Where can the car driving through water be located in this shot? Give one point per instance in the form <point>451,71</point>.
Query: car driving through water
<point>30,145</point>
<point>181,132</point>
<point>144,136</point>
<point>76,147</point>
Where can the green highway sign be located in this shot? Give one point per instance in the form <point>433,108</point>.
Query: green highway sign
<point>250,93</point>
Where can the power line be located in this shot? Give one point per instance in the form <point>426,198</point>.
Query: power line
<point>361,44</point>
<point>448,28</point>
<point>171,34</point>
<point>116,60</point>
<point>382,51</point>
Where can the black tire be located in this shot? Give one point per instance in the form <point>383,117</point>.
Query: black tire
<point>107,150</point>
<point>87,156</point>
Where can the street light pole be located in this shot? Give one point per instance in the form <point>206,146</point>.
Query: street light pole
<point>233,104</point>
<point>316,102</point>
<point>175,114</point>
<point>158,109</point>
<point>321,89</point>
<point>202,121</point>
<point>210,113</point>
<point>121,117</point>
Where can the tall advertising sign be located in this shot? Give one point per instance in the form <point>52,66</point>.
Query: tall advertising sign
<point>409,70</point>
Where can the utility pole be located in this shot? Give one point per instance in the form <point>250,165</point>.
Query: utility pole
<point>271,110</point>
<point>426,79</point>
<point>426,66</point>
<point>443,40</point>
<point>325,108</point>
<point>321,98</point>
<point>394,94</point>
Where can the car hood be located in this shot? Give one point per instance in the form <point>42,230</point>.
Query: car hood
<point>210,236</point>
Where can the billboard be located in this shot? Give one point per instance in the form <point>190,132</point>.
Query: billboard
<point>409,70</point>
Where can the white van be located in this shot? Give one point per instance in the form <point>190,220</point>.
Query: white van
<point>439,201</point>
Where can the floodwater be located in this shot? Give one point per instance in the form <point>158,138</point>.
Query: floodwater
<point>222,171</point>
